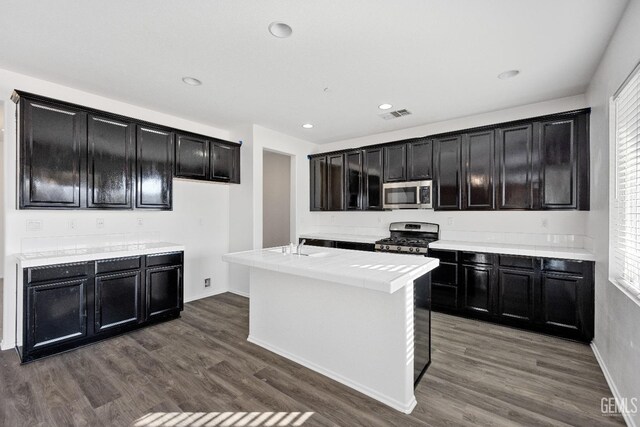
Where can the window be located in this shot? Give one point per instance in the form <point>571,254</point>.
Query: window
<point>626,206</point>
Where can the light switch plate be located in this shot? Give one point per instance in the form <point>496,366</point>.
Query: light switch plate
<point>34,225</point>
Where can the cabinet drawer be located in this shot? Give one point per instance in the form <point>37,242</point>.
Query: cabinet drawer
<point>120,264</point>
<point>516,261</point>
<point>58,272</point>
<point>476,258</point>
<point>173,258</point>
<point>443,255</point>
<point>563,266</point>
<point>445,273</point>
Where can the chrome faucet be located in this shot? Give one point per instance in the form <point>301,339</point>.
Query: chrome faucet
<point>299,247</point>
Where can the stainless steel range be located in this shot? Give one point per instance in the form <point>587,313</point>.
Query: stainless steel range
<point>409,237</point>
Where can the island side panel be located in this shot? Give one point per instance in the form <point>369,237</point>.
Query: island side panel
<point>360,337</point>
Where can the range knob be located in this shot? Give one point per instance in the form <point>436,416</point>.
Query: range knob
<point>387,248</point>
<point>410,249</point>
<point>399,249</point>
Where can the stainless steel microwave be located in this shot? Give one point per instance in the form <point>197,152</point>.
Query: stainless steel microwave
<point>407,195</point>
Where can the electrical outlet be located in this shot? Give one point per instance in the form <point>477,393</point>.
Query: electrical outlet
<point>100,223</point>
<point>545,223</point>
<point>207,282</point>
<point>450,221</point>
<point>34,225</point>
<point>140,222</point>
<point>73,224</point>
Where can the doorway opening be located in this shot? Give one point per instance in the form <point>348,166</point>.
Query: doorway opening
<point>276,199</point>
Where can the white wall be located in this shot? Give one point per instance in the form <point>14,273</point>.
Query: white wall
<point>617,335</point>
<point>1,196</point>
<point>276,200</point>
<point>246,201</point>
<point>555,228</point>
<point>199,220</point>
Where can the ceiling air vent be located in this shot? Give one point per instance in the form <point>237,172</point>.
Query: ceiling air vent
<point>395,114</point>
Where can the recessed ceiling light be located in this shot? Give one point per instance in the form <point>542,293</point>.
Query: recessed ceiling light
<point>307,125</point>
<point>385,106</point>
<point>191,81</point>
<point>508,74</point>
<point>280,30</point>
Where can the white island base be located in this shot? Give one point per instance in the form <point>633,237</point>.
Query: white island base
<point>359,337</point>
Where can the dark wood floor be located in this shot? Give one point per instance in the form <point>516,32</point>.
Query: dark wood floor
<point>481,374</point>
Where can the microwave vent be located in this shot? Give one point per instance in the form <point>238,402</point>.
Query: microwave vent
<point>395,114</point>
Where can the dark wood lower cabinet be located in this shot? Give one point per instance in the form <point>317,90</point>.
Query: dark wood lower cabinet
<point>117,300</point>
<point>70,305</point>
<point>476,281</point>
<point>554,296</point>
<point>164,291</point>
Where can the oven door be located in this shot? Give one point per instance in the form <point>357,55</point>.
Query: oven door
<point>407,195</point>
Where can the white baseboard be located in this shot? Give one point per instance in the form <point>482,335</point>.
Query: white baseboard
<point>197,297</point>
<point>5,346</point>
<point>614,390</point>
<point>242,294</point>
<point>399,406</point>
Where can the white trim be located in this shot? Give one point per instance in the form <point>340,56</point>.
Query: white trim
<point>201,296</point>
<point>402,407</point>
<point>614,390</point>
<point>241,293</point>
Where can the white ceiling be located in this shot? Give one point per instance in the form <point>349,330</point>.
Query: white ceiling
<point>437,58</point>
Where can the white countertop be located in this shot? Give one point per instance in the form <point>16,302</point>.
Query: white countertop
<point>371,270</point>
<point>513,249</point>
<point>343,237</point>
<point>35,259</point>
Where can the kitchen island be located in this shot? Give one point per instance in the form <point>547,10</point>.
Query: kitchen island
<point>360,318</point>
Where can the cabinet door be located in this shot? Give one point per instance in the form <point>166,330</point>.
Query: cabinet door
<point>192,157</point>
<point>318,178</point>
<point>235,176</point>
<point>562,303</point>
<point>163,291</point>
<point>117,300</point>
<point>516,295</point>
<point>373,179</point>
<point>395,163</point>
<point>515,167</point>
<point>222,161</point>
<point>448,191</point>
<point>154,168</point>
<point>558,165</point>
<point>52,155</point>
<point>476,282</point>
<point>354,180</point>
<point>55,313</point>
<point>478,160</point>
<point>335,187</point>
<point>420,159</point>
<point>110,163</point>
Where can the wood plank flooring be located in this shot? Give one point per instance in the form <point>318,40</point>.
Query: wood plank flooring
<point>481,374</point>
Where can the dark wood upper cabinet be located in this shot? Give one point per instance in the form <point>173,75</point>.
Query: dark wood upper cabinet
<point>353,191</point>
<point>478,167</point>
<point>111,160</point>
<point>224,160</point>
<point>515,163</point>
<point>448,170</point>
<point>564,151</point>
<point>53,143</point>
<point>192,157</point>
<point>335,187</point>
<point>420,159</point>
<point>373,161</point>
<point>154,168</point>
<point>395,163</point>
<point>318,181</point>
